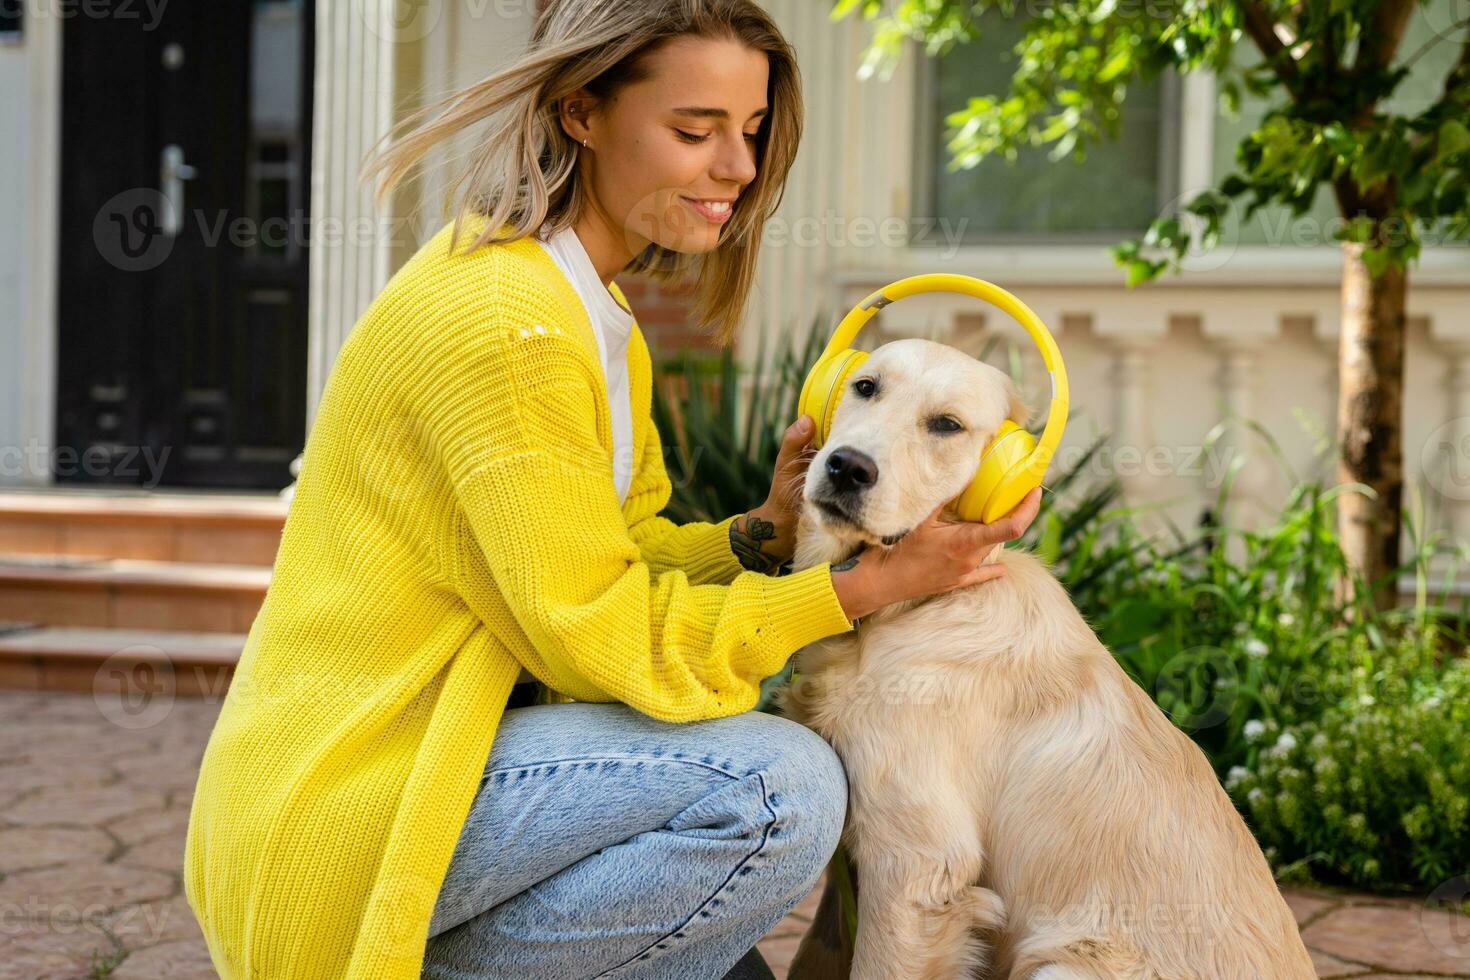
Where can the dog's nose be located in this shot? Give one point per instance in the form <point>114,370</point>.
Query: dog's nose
<point>849,469</point>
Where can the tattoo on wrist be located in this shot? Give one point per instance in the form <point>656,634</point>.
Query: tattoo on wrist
<point>747,536</point>
<point>845,564</point>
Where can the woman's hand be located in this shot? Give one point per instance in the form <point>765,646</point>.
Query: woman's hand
<point>935,557</point>
<point>765,538</point>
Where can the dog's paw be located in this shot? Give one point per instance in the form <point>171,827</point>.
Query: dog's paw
<point>987,909</point>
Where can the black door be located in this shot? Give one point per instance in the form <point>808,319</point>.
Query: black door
<point>186,139</point>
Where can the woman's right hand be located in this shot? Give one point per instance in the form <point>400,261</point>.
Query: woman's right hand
<point>935,557</point>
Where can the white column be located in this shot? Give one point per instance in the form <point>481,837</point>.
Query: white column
<point>1239,374</point>
<point>1133,431</point>
<point>351,248</point>
<point>1445,457</point>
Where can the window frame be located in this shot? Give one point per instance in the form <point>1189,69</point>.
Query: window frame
<point>928,124</point>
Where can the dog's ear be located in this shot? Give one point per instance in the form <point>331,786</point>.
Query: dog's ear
<point>1017,411</point>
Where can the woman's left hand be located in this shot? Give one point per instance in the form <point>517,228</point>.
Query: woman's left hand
<point>765,537</point>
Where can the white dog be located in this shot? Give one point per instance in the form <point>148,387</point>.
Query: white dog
<point>1005,773</point>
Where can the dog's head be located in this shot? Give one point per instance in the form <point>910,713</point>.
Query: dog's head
<point>907,436</point>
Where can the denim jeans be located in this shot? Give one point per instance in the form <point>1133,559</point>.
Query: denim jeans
<point>606,843</point>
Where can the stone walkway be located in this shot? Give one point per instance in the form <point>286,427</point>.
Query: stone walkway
<point>94,803</point>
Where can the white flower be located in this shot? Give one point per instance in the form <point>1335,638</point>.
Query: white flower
<point>1256,647</point>
<point>1254,794</point>
<point>1432,701</point>
<point>1286,742</point>
<point>1235,775</point>
<point>1367,700</point>
<point>1241,627</point>
<point>1286,619</point>
<point>1254,729</point>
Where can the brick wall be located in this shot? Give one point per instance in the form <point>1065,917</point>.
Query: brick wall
<point>665,316</point>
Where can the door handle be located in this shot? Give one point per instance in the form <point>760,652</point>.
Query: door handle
<point>172,172</point>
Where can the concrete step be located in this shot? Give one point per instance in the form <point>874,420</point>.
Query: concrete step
<point>122,593</point>
<point>141,664</point>
<point>204,527</point>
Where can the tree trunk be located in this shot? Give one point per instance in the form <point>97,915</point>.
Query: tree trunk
<point>1370,421</point>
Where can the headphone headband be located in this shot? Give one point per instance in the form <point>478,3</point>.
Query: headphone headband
<point>946,282</point>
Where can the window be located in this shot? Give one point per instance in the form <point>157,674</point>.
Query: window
<point>12,22</point>
<point>1116,191</point>
<point>275,175</point>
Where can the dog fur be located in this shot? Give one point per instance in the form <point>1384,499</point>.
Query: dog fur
<point>1018,807</point>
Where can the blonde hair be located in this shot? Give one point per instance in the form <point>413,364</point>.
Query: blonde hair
<point>523,168</point>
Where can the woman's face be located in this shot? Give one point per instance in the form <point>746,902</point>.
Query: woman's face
<point>648,162</point>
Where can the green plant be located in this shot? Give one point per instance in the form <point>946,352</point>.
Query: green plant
<point>725,463</point>
<point>1375,792</point>
<point>1223,625</point>
<point>102,964</point>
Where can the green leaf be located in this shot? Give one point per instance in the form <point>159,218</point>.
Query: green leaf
<point>1376,259</point>
<point>1454,139</point>
<point>1142,270</point>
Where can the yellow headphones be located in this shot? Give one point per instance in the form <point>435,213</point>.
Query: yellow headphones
<point>1013,463</point>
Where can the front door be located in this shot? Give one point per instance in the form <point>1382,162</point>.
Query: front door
<point>186,138</point>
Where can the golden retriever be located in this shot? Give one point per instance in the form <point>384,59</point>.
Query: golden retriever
<point>1018,807</point>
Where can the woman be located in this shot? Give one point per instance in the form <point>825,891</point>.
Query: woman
<point>479,500</point>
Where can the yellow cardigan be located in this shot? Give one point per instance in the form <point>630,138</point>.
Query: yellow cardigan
<point>455,519</point>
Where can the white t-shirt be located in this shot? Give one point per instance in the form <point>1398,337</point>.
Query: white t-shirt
<point>613,325</point>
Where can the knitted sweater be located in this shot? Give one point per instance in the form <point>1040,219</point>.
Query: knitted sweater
<point>454,520</point>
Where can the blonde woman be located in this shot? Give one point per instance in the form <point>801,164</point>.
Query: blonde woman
<point>478,505</point>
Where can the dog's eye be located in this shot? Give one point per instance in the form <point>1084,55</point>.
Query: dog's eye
<point>864,387</point>
<point>943,423</point>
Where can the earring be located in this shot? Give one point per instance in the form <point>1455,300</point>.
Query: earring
<point>584,142</point>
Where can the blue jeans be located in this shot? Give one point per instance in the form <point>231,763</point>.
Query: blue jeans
<point>605,843</point>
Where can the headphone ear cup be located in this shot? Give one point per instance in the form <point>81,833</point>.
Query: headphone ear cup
<point>985,499</point>
<point>823,390</point>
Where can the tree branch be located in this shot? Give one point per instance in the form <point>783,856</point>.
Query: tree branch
<point>1262,30</point>
<point>1381,39</point>
<point>1459,75</point>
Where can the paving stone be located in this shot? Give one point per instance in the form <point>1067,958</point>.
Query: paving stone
<point>165,770</point>
<point>150,824</point>
<point>25,848</point>
<point>1305,904</point>
<point>164,853</point>
<point>83,804</point>
<point>52,955</point>
<point>779,954</point>
<point>1330,966</point>
<point>75,773</point>
<point>48,900</point>
<point>1393,938</point>
<point>150,923</point>
<point>180,960</point>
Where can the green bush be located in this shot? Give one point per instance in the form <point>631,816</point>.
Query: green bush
<point>1376,791</point>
